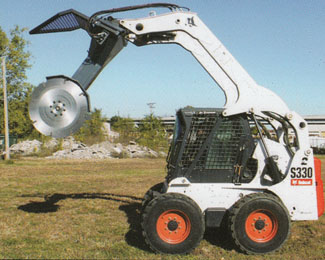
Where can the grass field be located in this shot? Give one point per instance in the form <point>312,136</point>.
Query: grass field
<point>91,209</point>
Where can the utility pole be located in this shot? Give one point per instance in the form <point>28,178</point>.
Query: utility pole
<point>151,107</point>
<point>5,108</point>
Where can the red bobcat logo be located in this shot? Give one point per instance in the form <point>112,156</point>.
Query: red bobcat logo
<point>301,182</point>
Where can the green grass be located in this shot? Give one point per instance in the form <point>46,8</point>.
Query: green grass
<point>91,209</point>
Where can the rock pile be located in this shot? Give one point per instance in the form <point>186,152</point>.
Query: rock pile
<point>81,151</point>
<point>104,150</point>
<point>72,149</point>
<point>109,133</point>
<point>26,147</point>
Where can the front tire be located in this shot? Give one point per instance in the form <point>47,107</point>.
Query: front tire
<point>151,193</point>
<point>259,223</point>
<point>173,224</point>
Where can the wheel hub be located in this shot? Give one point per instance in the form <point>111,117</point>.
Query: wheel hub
<point>173,226</point>
<point>261,226</point>
<point>57,108</point>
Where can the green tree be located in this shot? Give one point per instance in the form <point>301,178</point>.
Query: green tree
<point>125,127</point>
<point>92,130</point>
<point>114,121</point>
<point>18,91</point>
<point>152,133</point>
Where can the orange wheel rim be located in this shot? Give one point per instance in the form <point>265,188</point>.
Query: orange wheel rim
<point>173,226</point>
<point>261,226</point>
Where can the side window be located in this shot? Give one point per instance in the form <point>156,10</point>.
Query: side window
<point>267,130</point>
<point>200,129</point>
<point>222,152</point>
<point>286,132</point>
<point>290,137</point>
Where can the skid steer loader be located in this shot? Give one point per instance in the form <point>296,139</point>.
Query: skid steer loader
<point>248,164</point>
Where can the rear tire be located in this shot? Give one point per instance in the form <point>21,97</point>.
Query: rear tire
<point>172,223</point>
<point>259,223</point>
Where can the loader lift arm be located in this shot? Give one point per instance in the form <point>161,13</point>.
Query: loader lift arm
<point>178,26</point>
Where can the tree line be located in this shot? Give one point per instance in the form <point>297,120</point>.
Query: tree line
<point>150,132</point>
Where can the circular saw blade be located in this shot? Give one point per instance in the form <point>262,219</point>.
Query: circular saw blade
<point>58,107</point>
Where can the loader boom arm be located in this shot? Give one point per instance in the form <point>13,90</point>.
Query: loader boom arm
<point>187,30</point>
<point>178,26</point>
<point>242,93</point>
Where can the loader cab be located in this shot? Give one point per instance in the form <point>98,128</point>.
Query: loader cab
<point>210,148</point>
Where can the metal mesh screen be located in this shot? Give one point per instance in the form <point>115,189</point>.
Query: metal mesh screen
<point>223,149</point>
<point>201,126</point>
<point>65,22</point>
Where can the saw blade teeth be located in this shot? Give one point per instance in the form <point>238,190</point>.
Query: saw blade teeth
<point>57,108</point>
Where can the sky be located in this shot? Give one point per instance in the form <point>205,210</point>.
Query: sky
<point>280,43</point>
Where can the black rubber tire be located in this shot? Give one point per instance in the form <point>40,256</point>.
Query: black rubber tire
<point>245,209</point>
<point>155,190</point>
<point>184,208</point>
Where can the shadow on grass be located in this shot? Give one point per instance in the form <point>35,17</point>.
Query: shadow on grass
<point>219,237</point>
<point>131,206</point>
<point>49,205</point>
<point>134,236</point>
